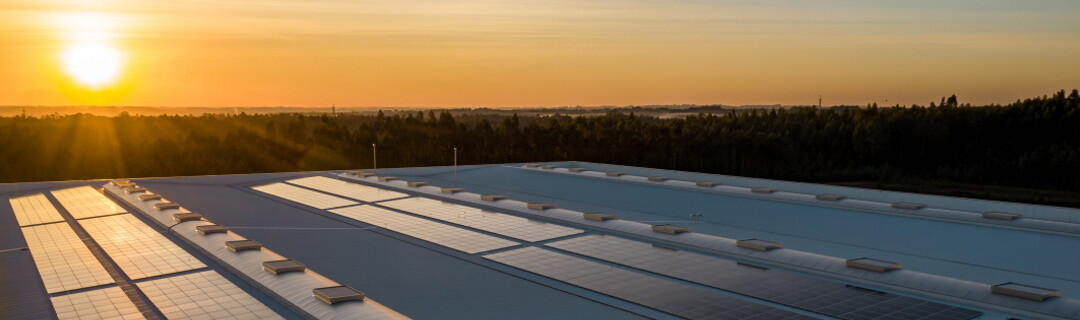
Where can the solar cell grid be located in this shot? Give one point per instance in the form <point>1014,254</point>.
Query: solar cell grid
<point>62,259</point>
<point>107,303</point>
<point>85,202</point>
<point>678,299</point>
<point>203,295</point>
<point>811,294</point>
<point>449,236</point>
<point>34,209</point>
<point>303,196</point>
<point>138,249</point>
<point>498,223</point>
<point>347,189</point>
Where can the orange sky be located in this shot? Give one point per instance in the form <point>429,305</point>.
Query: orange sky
<point>536,53</point>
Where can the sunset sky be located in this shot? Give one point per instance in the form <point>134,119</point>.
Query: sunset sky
<point>532,53</point>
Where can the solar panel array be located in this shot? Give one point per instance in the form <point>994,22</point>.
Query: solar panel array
<point>347,189</point>
<point>671,297</point>
<point>108,303</point>
<point>203,295</point>
<point>498,223</point>
<point>303,196</point>
<point>34,209</point>
<point>803,292</point>
<point>85,202</point>
<point>62,259</point>
<point>449,236</point>
<point>138,249</point>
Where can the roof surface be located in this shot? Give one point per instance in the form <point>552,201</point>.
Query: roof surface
<point>428,253</point>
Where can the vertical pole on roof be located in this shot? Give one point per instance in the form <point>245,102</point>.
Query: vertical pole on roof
<point>374,159</point>
<point>455,166</point>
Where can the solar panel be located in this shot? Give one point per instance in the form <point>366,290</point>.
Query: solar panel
<point>498,223</point>
<point>675,298</point>
<point>138,249</point>
<point>452,237</point>
<point>85,202</point>
<point>107,303</point>
<point>347,189</point>
<point>34,209</point>
<point>803,292</point>
<point>304,196</point>
<point>203,295</point>
<point>62,259</point>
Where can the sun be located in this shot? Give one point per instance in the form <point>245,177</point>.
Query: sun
<point>92,64</point>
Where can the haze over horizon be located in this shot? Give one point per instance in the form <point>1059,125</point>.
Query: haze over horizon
<point>485,53</point>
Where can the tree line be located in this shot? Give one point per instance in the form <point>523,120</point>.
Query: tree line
<point>1032,143</point>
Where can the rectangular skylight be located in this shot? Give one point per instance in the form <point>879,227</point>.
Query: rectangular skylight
<point>210,229</point>
<point>707,184</point>
<point>242,245</point>
<point>658,179</point>
<point>549,166</point>
<point>417,184</point>
<point>332,295</point>
<point>493,197</point>
<point>614,174</point>
<point>387,178</point>
<point>758,244</point>
<point>531,165</point>
<point>130,190</point>
<point>873,264</point>
<point>283,266</point>
<point>1025,291</point>
<point>908,205</point>
<point>830,197</point>
<point>451,190</point>
<point>187,216</point>
<point>763,190</point>
<point>670,229</point>
<point>599,216</point>
<point>167,205</point>
<point>148,197</point>
<point>541,206</point>
<point>576,170</point>
<point>1002,215</point>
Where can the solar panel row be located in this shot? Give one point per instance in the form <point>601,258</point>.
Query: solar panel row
<point>347,189</point>
<point>85,202</point>
<point>34,209</point>
<point>138,249</point>
<point>62,259</point>
<point>498,223</point>
<point>303,196</point>
<point>467,241</point>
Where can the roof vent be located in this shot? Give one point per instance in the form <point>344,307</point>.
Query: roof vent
<point>874,265</point>
<point>493,197</point>
<point>541,206</point>
<point>759,245</point>
<point>211,228</point>
<point>599,216</point>
<point>531,165</point>
<point>283,266</point>
<point>576,169</point>
<point>830,197</point>
<point>387,178</point>
<point>549,166</point>
<point>1002,215</point>
<point>187,216</point>
<point>131,190</point>
<point>120,182</point>
<point>148,197</point>
<point>614,174</point>
<point>908,205</point>
<point>670,229</point>
<point>359,173</point>
<point>1025,291</point>
<point>763,190</point>
<point>167,205</point>
<point>417,184</point>
<point>707,184</point>
<point>241,245</point>
<point>332,295</point>
<point>451,190</point>
<point>658,179</point>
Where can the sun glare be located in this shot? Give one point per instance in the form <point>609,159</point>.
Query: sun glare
<point>90,58</point>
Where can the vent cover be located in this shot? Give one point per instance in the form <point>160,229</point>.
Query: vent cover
<point>493,197</point>
<point>908,205</point>
<point>830,197</point>
<point>121,182</point>
<point>131,190</point>
<point>332,295</point>
<point>188,216</point>
<point>531,165</point>
<point>1025,291</point>
<point>763,190</point>
<point>658,179</point>
<point>707,184</point>
<point>576,169</point>
<point>1002,215</point>
<point>359,173</point>
<point>417,184</point>
<point>167,205</point>
<point>542,206</point>
<point>758,244</point>
<point>874,265</point>
<point>241,245</point>
<point>549,167</point>
<point>283,266</point>
<point>614,174</point>
<point>148,197</point>
<point>385,179</point>
<point>451,190</point>
<point>212,228</point>
<point>599,216</point>
<point>670,229</point>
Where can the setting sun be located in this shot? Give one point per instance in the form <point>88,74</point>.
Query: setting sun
<point>92,64</point>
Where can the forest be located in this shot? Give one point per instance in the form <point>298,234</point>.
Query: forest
<point>1026,151</point>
